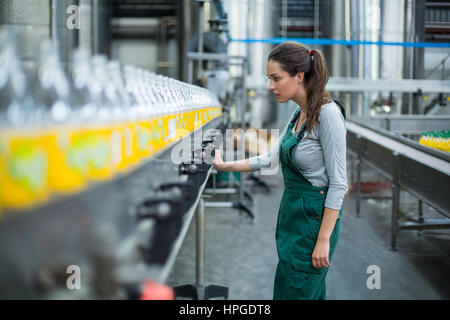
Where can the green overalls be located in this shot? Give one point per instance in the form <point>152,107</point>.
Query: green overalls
<point>298,225</point>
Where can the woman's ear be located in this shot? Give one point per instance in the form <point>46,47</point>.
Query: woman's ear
<point>300,77</point>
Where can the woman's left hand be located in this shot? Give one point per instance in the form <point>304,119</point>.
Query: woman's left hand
<point>320,254</point>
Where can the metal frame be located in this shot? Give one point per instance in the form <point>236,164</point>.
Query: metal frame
<point>95,228</point>
<point>403,85</point>
<point>409,124</point>
<point>242,61</point>
<point>200,291</point>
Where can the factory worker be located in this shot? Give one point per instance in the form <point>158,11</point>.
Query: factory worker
<point>312,154</point>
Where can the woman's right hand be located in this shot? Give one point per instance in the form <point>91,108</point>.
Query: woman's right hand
<point>231,166</point>
<point>218,162</point>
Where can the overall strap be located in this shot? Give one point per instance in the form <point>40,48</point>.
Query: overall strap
<point>342,109</point>
<point>295,116</point>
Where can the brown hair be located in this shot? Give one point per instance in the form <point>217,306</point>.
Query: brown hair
<point>293,58</point>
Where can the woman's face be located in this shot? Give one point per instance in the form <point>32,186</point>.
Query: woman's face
<point>282,85</point>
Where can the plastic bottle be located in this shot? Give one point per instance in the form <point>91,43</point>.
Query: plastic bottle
<point>122,145</point>
<point>447,141</point>
<point>60,105</point>
<point>99,137</point>
<point>23,157</point>
<point>422,138</point>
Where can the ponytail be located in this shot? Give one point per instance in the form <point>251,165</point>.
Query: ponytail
<point>315,81</point>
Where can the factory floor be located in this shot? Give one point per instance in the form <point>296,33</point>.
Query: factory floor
<point>241,253</point>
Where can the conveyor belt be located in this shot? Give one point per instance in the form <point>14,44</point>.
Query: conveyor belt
<point>102,231</point>
<point>425,175</point>
<point>403,85</point>
<point>408,124</point>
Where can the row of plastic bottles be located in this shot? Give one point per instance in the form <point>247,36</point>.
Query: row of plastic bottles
<point>438,140</point>
<point>61,130</point>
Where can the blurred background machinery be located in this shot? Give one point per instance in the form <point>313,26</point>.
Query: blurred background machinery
<point>89,177</point>
<point>156,35</point>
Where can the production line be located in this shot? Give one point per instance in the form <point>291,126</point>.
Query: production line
<point>110,197</point>
<point>112,111</point>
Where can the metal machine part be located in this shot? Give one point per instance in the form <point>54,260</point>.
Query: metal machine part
<point>30,20</point>
<point>410,124</point>
<point>83,239</point>
<point>262,24</point>
<point>118,233</point>
<point>34,20</point>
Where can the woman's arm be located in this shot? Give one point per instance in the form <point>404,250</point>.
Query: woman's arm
<point>322,248</point>
<point>332,134</point>
<point>236,166</point>
<point>254,163</point>
<point>251,164</point>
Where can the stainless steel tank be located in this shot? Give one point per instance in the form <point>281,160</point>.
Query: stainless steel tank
<point>254,19</point>
<point>339,58</point>
<point>392,56</point>
<point>391,59</point>
<point>65,38</point>
<point>263,21</point>
<point>237,11</point>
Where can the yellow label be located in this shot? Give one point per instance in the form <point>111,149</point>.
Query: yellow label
<point>190,117</point>
<point>182,129</point>
<point>125,133</point>
<point>66,159</point>
<point>68,156</point>
<point>99,147</point>
<point>158,133</point>
<point>143,136</point>
<point>2,166</point>
<point>118,159</point>
<point>170,128</point>
<point>23,177</point>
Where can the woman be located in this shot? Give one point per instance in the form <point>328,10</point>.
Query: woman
<point>312,154</point>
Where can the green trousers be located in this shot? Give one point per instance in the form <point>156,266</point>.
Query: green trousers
<point>299,220</point>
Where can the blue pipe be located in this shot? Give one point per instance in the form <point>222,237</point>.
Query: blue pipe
<point>328,42</point>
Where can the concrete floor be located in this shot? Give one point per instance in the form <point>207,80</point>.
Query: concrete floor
<point>241,254</point>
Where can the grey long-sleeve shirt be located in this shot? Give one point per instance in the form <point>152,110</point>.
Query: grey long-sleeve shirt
<point>321,156</point>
